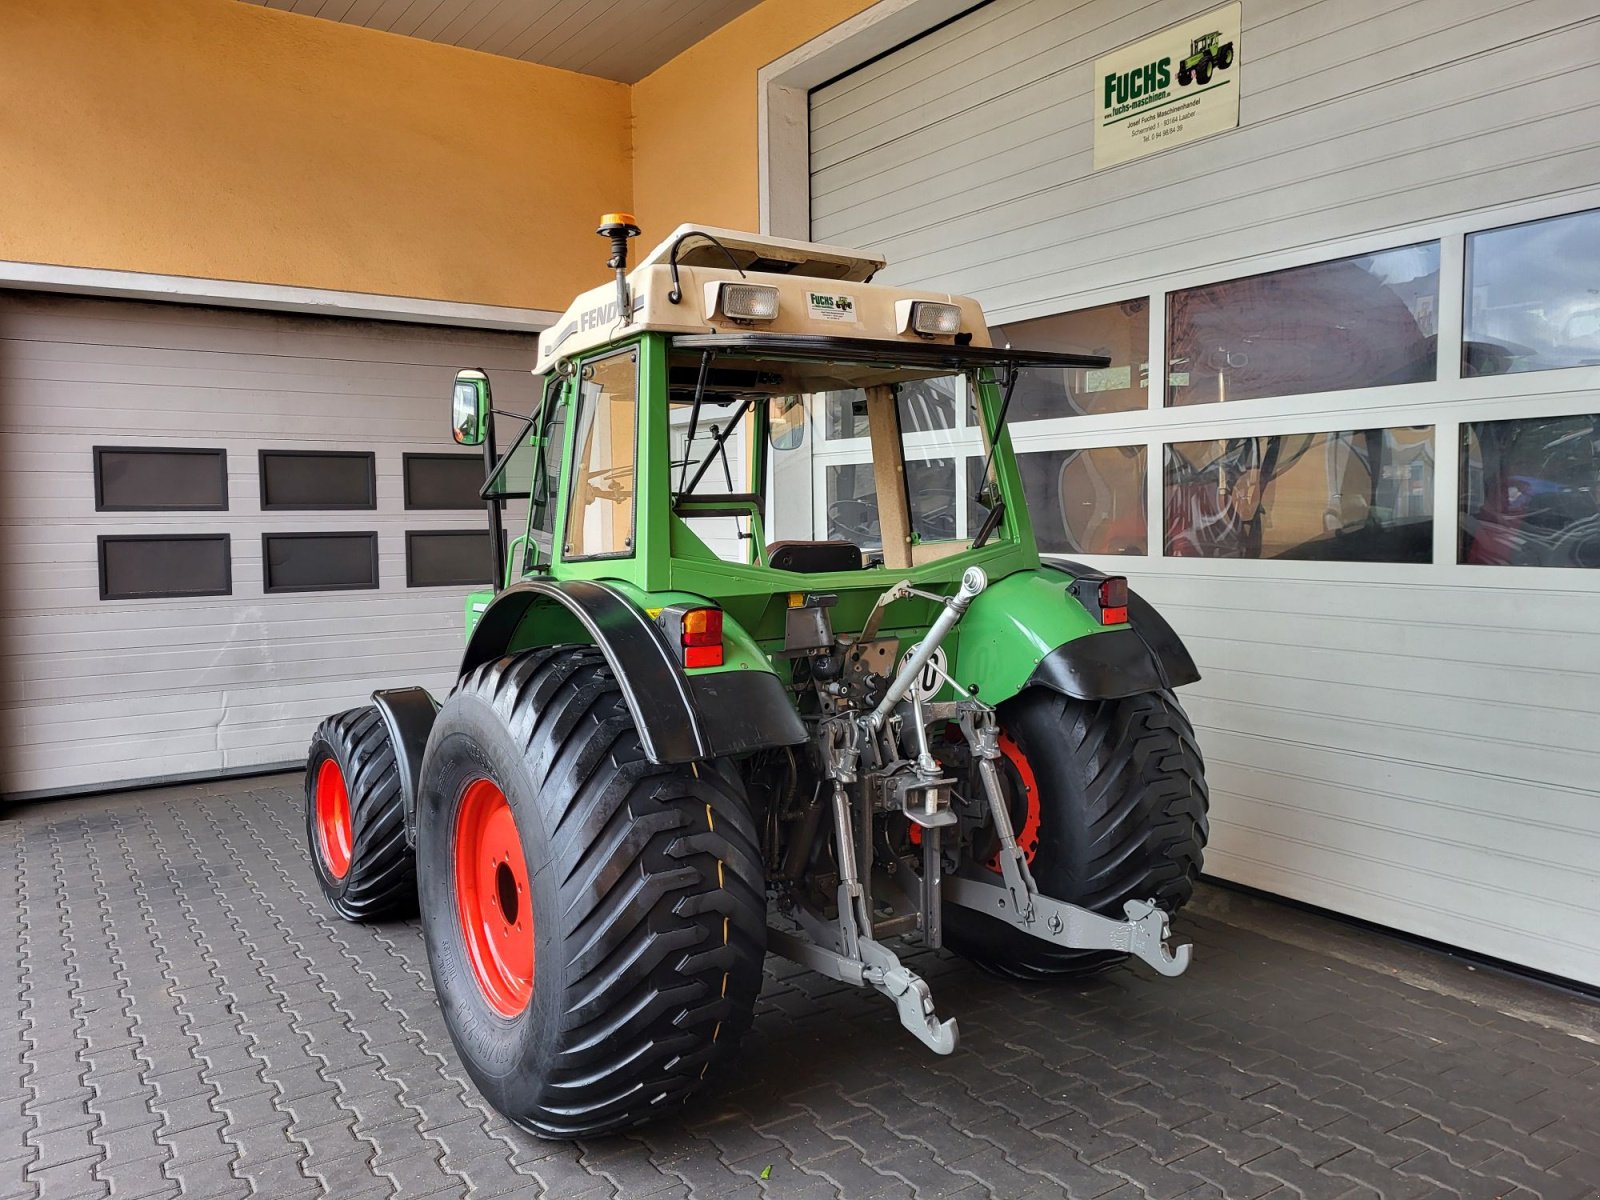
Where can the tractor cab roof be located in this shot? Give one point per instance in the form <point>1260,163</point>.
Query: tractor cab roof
<point>689,285</point>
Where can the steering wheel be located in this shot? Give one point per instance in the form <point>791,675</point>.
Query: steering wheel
<point>610,483</point>
<point>855,520</point>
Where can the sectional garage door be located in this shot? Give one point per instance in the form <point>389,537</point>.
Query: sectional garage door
<point>220,526</point>
<point>1349,340</point>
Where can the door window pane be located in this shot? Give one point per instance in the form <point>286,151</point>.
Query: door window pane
<point>165,478</point>
<point>1530,492</point>
<point>1087,501</point>
<point>1360,496</point>
<point>442,480</point>
<point>1361,322</point>
<point>1119,331</point>
<point>144,567</point>
<point>600,504</point>
<point>1533,301</point>
<point>318,562</point>
<point>307,479</point>
<point>439,557</point>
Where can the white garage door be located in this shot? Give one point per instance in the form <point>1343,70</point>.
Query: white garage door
<point>222,526</point>
<point>1364,474</point>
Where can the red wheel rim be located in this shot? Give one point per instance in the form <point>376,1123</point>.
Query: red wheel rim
<point>331,808</point>
<point>1028,835</point>
<point>493,898</point>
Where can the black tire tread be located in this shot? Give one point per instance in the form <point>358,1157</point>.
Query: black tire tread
<point>381,883</point>
<point>656,998</point>
<point>1141,831</point>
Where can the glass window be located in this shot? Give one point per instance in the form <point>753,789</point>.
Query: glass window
<point>159,478</point>
<point>1360,322</point>
<point>1361,496</point>
<point>1087,501</point>
<point>307,479</point>
<point>1120,331</point>
<point>1532,301</point>
<point>1530,492</point>
<point>600,504</point>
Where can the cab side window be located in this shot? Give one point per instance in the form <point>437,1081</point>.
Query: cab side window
<point>600,504</point>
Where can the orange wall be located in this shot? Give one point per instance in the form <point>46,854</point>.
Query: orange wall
<point>223,140</point>
<point>694,119</point>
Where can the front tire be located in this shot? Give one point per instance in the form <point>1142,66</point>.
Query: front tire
<point>595,923</point>
<point>1110,805</point>
<point>355,819</point>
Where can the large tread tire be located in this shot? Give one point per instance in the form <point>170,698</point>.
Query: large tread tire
<point>648,900</point>
<point>379,883</point>
<point>1122,816</point>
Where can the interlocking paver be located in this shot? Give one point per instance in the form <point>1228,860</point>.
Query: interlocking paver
<point>188,1018</point>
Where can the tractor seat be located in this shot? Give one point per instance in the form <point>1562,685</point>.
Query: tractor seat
<point>813,558</point>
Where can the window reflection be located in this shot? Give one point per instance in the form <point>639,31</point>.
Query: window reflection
<point>1530,492</point>
<point>1533,296</point>
<point>1087,501</point>
<point>1359,496</point>
<point>1357,322</point>
<point>1119,331</point>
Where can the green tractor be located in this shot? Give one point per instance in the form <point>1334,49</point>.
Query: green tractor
<point>1205,56</point>
<point>775,668</point>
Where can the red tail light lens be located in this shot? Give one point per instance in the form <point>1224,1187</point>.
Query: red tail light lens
<point>702,637</point>
<point>1113,600</point>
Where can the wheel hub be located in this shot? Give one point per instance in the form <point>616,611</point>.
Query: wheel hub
<point>332,808</point>
<point>492,898</point>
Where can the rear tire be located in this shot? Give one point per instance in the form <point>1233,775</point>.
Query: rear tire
<point>355,819</point>
<point>1120,815</point>
<point>644,892</point>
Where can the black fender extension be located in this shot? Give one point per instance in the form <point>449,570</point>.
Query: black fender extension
<point>680,717</point>
<point>1147,656</point>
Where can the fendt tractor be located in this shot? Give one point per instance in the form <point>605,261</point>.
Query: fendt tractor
<point>774,668</point>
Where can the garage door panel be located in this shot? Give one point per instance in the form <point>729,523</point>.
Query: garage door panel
<point>140,689</point>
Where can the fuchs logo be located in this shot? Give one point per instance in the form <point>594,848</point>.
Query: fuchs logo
<point>1141,81</point>
<point>826,307</point>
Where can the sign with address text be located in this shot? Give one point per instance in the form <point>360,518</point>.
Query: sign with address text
<point>1177,86</point>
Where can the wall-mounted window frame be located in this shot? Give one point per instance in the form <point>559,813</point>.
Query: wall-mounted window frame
<point>416,538</point>
<point>468,463</point>
<point>106,540</point>
<point>1445,402</point>
<point>366,458</point>
<point>205,457</point>
<point>365,537</point>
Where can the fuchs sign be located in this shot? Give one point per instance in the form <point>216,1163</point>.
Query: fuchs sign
<point>1172,88</point>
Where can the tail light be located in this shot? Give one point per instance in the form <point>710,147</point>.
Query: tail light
<point>700,637</point>
<point>1113,597</point>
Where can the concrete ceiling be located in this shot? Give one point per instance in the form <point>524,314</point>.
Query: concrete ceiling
<point>615,39</point>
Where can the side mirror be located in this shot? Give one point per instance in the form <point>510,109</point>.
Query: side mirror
<point>786,422</point>
<point>469,407</point>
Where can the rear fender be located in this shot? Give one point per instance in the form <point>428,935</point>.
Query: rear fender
<point>681,716</point>
<point>407,714</point>
<point>1028,630</point>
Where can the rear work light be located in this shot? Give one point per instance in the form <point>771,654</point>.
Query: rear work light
<point>696,634</point>
<point>1113,597</point>
<point>744,301</point>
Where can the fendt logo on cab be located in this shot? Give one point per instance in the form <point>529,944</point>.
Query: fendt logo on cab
<point>1141,81</point>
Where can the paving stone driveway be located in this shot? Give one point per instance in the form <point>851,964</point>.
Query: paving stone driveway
<point>193,1022</point>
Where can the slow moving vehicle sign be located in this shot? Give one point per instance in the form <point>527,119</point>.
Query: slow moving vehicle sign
<point>1177,86</point>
